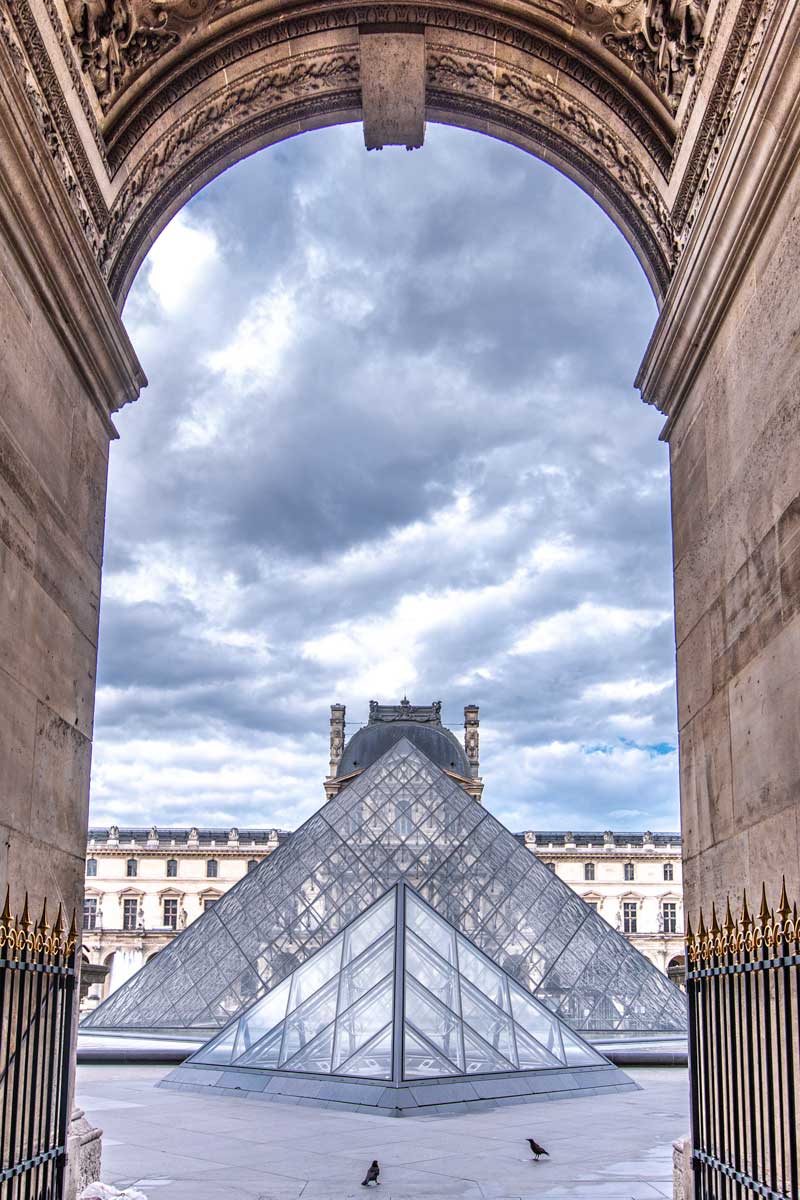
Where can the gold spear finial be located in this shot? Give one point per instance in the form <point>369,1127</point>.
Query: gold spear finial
<point>728,924</point>
<point>25,919</point>
<point>784,910</point>
<point>763,912</point>
<point>42,925</point>
<point>5,916</point>
<point>747,920</point>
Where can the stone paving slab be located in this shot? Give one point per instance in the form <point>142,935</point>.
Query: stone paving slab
<point>199,1147</point>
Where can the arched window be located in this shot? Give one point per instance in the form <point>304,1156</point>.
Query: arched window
<point>212,868</point>
<point>252,864</point>
<point>669,872</point>
<point>550,866</point>
<point>172,868</point>
<point>91,866</point>
<point>588,871</point>
<point>132,867</point>
<point>629,873</point>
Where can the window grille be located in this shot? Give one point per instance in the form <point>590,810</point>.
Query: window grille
<point>669,915</point>
<point>90,912</point>
<point>629,911</point>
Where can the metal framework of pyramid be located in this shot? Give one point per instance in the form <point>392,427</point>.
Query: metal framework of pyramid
<point>399,1011</point>
<point>403,819</point>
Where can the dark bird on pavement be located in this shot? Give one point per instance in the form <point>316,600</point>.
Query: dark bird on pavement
<point>372,1175</point>
<point>536,1149</point>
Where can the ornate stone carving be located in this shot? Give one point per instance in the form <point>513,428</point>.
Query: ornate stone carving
<point>660,39</point>
<point>274,31</point>
<point>233,106</point>
<point>117,39</point>
<point>744,43</point>
<point>553,110</point>
<point>90,215</point>
<point>422,714</point>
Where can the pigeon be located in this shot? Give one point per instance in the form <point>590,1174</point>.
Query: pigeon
<point>536,1149</point>
<point>372,1175</point>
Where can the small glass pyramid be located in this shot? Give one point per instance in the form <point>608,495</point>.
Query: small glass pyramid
<point>398,996</point>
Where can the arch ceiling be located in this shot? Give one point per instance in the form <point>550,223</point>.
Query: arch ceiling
<point>164,94</point>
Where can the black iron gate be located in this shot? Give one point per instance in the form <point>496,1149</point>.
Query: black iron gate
<point>37,991</point>
<point>743,980</point>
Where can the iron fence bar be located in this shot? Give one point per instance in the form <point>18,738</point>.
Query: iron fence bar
<point>792,1074</point>
<point>28,1163</point>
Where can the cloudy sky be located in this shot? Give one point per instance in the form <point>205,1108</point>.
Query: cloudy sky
<point>390,445</point>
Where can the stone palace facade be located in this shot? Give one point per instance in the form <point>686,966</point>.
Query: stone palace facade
<point>144,885</point>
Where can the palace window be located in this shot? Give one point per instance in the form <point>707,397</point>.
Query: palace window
<point>628,873</point>
<point>90,912</point>
<point>91,866</point>
<point>593,904</point>
<point>210,901</point>
<point>212,868</point>
<point>252,864</point>
<point>550,866</point>
<point>588,871</point>
<point>171,912</point>
<point>669,872</point>
<point>629,909</point>
<point>130,909</point>
<point>132,868</point>
<point>669,914</point>
<point>172,868</point>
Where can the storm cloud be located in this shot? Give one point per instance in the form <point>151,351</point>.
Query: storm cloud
<point>390,445</point>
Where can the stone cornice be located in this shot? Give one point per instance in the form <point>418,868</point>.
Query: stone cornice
<point>738,202</point>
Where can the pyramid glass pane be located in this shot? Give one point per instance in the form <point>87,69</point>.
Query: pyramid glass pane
<point>432,972</point>
<point>481,1059</point>
<point>263,1017</point>
<point>456,855</point>
<point>315,1056</point>
<point>360,976</point>
<point>359,1024</point>
<point>306,1022</point>
<point>421,1061</point>
<point>439,1026</point>
<point>373,1060</point>
<point>493,1025</point>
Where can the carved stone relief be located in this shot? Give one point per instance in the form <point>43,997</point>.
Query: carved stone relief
<point>84,195</point>
<point>117,39</point>
<point>660,39</point>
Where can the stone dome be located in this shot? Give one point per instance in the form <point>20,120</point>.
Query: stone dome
<point>371,741</point>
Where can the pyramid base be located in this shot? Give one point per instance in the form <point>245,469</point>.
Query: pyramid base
<point>437,1097</point>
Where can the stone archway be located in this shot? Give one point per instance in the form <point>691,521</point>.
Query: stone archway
<point>682,117</point>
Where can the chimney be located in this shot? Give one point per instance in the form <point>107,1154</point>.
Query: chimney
<point>337,736</point>
<point>471,738</point>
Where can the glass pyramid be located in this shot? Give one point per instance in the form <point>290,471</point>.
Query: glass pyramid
<point>402,819</point>
<point>398,996</point>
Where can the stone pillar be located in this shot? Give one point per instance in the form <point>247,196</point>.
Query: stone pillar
<point>337,736</point>
<point>472,737</point>
<point>393,86</point>
<point>65,364</point>
<point>724,365</point>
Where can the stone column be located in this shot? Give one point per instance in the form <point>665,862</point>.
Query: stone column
<point>337,736</point>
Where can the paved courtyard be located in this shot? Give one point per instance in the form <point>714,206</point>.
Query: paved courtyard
<point>191,1147</point>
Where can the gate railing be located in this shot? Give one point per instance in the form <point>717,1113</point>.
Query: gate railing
<point>743,984</point>
<point>37,992</point>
